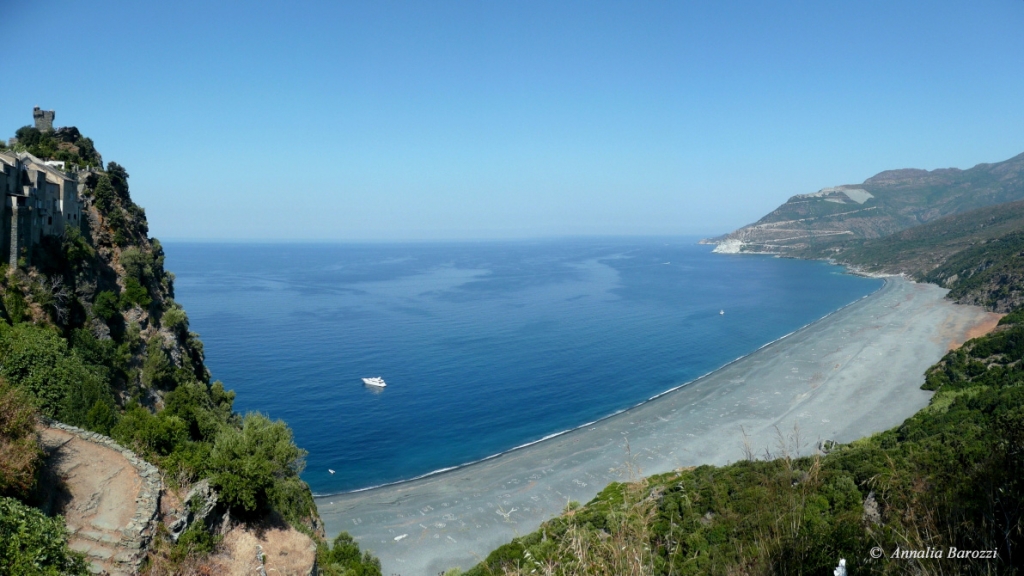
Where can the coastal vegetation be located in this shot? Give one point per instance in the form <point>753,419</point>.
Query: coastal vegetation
<point>343,558</point>
<point>976,254</point>
<point>91,336</point>
<point>30,542</point>
<point>33,544</point>
<point>948,477</point>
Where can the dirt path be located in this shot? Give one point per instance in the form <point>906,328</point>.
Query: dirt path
<point>101,492</point>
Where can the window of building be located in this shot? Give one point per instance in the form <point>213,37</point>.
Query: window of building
<point>49,220</point>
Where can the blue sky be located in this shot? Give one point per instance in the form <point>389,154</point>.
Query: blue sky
<point>463,120</point>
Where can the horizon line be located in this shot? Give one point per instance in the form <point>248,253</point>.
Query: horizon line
<point>421,240</point>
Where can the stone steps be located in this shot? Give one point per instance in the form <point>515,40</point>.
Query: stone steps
<point>115,503</point>
<point>99,555</point>
<point>114,552</point>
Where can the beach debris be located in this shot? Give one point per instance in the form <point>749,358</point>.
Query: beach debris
<point>400,536</point>
<point>501,512</point>
<point>826,446</point>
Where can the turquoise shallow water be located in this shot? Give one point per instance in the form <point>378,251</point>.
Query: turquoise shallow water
<point>485,346</point>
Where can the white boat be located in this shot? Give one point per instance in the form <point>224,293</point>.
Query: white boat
<point>376,381</point>
<point>721,312</point>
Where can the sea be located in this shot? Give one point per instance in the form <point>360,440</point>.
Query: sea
<point>485,346</point>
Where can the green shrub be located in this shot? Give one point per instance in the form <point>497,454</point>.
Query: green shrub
<point>175,320</point>
<point>75,247</point>
<point>134,294</point>
<point>119,180</point>
<point>106,306</point>
<point>195,540</point>
<point>154,435</point>
<point>46,146</point>
<point>344,559</point>
<point>137,264</point>
<point>39,361</point>
<point>15,305</point>
<point>32,544</point>
<point>105,356</point>
<point>157,371</point>
<point>246,464</point>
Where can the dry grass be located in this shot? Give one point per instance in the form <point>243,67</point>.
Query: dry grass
<point>20,455</point>
<point>624,549</point>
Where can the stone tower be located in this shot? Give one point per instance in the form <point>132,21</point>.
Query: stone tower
<point>44,119</point>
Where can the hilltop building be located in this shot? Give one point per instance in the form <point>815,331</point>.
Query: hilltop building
<point>39,198</point>
<point>43,119</point>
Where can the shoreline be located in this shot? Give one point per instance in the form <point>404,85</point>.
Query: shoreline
<point>854,372</point>
<point>553,435</point>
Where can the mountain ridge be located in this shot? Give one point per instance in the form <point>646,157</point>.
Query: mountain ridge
<point>812,225</point>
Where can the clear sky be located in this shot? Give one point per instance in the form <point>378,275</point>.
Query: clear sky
<point>458,120</point>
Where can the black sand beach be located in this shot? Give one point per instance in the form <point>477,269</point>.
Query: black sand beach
<point>851,374</point>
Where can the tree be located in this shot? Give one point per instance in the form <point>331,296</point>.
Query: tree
<point>104,193</point>
<point>247,463</point>
<point>28,136</point>
<point>119,180</point>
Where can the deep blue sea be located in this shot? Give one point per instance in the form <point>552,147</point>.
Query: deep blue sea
<point>484,346</point>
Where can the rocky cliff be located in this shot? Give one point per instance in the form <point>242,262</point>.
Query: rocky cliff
<point>90,331</point>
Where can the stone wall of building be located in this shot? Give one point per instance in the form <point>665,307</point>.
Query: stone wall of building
<point>43,119</point>
<point>38,200</point>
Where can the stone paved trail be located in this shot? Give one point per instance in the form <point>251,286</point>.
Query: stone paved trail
<point>102,494</point>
